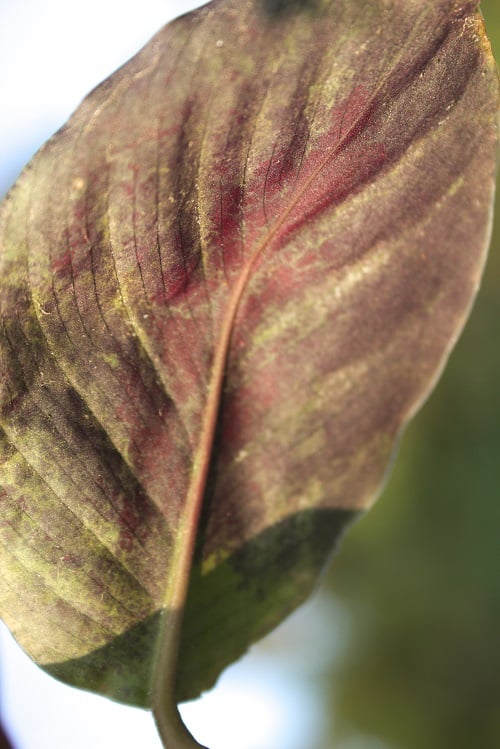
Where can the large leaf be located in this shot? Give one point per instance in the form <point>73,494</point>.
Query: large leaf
<point>226,285</point>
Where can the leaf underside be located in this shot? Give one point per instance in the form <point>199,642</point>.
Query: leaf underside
<point>226,285</point>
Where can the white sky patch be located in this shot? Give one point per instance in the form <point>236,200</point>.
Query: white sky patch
<point>52,53</point>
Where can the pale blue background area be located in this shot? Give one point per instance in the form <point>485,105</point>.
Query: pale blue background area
<point>52,52</point>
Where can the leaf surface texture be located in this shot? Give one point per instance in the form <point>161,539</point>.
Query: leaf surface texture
<point>226,285</point>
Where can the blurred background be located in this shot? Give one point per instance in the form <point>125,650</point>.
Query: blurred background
<point>400,646</point>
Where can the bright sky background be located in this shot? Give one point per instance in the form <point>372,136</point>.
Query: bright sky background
<point>51,54</point>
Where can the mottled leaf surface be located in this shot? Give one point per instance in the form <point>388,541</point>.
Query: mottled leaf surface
<point>226,284</point>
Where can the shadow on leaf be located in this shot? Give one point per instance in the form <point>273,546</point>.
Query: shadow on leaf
<point>277,8</point>
<point>283,562</point>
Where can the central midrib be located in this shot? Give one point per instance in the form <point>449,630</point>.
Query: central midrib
<point>164,706</point>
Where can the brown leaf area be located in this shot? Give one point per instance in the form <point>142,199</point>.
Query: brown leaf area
<point>251,249</point>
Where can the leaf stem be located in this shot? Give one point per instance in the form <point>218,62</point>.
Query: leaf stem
<point>170,725</point>
<point>172,730</point>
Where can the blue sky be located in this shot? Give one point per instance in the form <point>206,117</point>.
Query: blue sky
<point>53,52</point>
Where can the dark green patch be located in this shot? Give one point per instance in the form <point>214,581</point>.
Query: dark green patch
<point>276,8</point>
<point>121,670</point>
<point>246,596</point>
<point>225,613</point>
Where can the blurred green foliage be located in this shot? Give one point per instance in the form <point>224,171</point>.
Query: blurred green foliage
<point>420,574</point>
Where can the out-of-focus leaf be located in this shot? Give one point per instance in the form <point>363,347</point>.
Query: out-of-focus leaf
<point>226,285</point>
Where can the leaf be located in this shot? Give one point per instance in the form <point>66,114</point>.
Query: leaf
<point>226,285</point>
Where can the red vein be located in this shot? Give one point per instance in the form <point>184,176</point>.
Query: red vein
<point>169,722</point>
